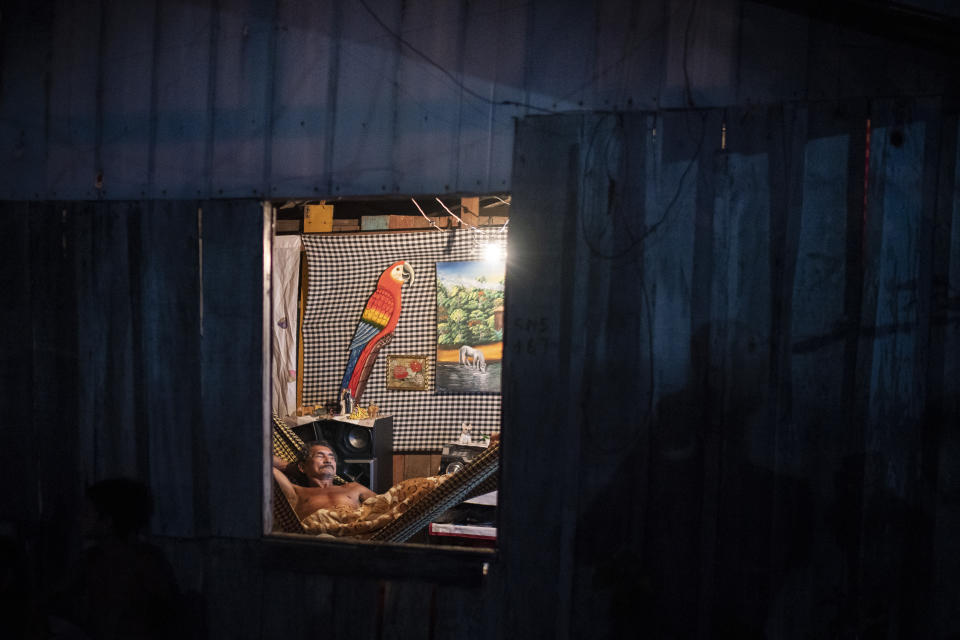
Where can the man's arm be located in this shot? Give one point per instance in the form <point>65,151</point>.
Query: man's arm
<point>280,463</point>
<point>286,487</point>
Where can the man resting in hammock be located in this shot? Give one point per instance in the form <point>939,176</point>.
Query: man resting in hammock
<point>351,509</point>
<point>343,510</point>
<point>320,468</point>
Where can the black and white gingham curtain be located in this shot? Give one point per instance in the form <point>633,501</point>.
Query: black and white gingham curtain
<point>343,272</point>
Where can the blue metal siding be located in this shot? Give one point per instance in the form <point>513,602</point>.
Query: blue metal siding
<point>288,99</point>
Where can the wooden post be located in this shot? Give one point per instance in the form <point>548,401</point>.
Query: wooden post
<point>470,211</point>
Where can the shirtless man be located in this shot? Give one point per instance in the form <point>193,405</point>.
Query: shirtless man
<point>320,467</point>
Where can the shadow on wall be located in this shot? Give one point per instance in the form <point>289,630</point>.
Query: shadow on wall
<point>691,537</point>
<point>121,586</point>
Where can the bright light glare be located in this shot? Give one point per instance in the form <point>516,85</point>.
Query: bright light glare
<point>494,252</point>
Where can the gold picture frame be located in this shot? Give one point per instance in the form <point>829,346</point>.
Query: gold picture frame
<point>408,373</point>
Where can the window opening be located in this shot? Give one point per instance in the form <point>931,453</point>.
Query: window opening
<point>387,348</point>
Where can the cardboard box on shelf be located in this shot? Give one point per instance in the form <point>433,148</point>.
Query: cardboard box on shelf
<point>318,218</point>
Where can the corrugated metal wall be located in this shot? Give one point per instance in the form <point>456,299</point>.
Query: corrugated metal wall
<point>776,458</point>
<point>259,98</point>
<point>735,408</point>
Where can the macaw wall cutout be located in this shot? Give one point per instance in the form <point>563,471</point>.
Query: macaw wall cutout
<point>375,328</point>
<point>343,271</point>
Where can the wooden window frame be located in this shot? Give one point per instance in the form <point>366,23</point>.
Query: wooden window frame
<point>463,566</point>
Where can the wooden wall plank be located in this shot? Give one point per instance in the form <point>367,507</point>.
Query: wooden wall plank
<point>813,429</point>
<point>283,613</point>
<point>302,98</point>
<point>234,590</point>
<point>59,489</point>
<point>700,58</point>
<point>555,66</point>
<point>297,605</point>
<point>366,97</point>
<point>771,39</point>
<point>428,122</point>
<point>676,261</point>
<point>125,97</point>
<point>181,118</point>
<point>894,363</point>
<point>361,559</point>
<point>818,323</point>
<point>611,330</point>
<point>921,532</point>
<point>25,34</point>
<point>242,65</point>
<point>409,609</point>
<point>535,526</point>
<point>105,344</point>
<point>946,341</point>
<point>18,444</point>
<point>399,468</point>
<point>795,461</point>
<point>509,94</point>
<point>862,61</point>
<point>318,600</point>
<point>358,609</point>
<point>462,614</point>
<point>169,333</point>
<point>186,100</point>
<point>419,466</point>
<point>72,120</point>
<point>82,217</point>
<point>629,35</point>
<point>231,360</point>
<point>741,344</point>
<point>481,32</point>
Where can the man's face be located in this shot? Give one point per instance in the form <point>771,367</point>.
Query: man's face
<point>320,463</point>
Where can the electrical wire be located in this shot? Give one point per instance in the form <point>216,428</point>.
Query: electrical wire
<point>443,70</point>
<point>417,205</point>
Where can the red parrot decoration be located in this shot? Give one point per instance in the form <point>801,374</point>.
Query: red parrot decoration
<point>375,329</point>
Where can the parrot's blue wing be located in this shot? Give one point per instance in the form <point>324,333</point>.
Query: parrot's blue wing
<point>362,335</point>
<point>365,331</point>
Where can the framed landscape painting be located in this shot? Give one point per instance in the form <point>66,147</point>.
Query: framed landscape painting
<point>469,326</point>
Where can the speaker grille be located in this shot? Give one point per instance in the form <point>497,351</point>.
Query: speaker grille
<point>357,441</point>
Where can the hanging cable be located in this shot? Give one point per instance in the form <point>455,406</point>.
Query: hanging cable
<point>455,216</point>
<point>432,223</point>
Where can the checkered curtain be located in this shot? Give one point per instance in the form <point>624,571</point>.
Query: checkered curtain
<point>343,272</point>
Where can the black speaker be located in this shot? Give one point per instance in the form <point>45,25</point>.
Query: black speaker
<point>363,471</point>
<point>365,450</point>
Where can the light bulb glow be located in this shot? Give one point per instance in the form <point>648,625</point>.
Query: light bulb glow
<point>494,252</point>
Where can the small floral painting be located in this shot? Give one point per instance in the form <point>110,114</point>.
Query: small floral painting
<point>407,372</point>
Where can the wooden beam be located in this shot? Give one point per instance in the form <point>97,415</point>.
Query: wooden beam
<point>470,211</point>
<point>362,559</point>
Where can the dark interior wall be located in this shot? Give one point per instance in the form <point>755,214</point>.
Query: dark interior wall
<point>740,368</point>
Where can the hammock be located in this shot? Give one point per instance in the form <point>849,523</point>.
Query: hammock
<point>477,477</point>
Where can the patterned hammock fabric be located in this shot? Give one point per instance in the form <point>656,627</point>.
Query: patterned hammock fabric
<point>288,446</point>
<point>393,516</point>
<point>375,513</point>
<point>478,476</point>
